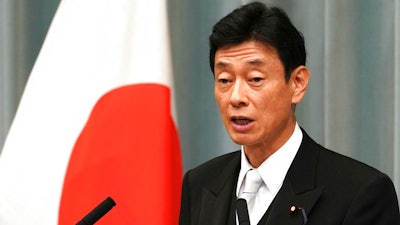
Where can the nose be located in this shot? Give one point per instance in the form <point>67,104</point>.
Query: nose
<point>239,94</point>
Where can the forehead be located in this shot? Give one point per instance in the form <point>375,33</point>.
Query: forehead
<point>252,52</point>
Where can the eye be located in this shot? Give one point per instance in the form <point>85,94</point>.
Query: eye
<point>257,79</point>
<point>223,81</point>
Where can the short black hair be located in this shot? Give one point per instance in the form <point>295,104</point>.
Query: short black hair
<point>269,25</point>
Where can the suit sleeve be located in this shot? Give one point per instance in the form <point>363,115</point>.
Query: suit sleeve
<point>375,204</point>
<point>184,217</point>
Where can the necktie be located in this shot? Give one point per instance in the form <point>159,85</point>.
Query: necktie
<point>252,182</point>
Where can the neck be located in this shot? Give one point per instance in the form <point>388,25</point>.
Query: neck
<point>258,153</point>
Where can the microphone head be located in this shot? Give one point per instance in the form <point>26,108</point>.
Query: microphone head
<point>98,212</point>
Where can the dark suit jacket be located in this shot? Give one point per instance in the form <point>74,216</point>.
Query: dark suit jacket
<point>333,189</point>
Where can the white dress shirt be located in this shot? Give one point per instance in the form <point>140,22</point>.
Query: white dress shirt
<point>273,171</point>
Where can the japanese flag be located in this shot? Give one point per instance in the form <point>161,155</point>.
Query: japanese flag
<point>95,121</point>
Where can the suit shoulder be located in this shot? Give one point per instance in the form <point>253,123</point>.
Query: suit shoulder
<point>216,163</point>
<point>348,165</point>
<point>340,170</point>
<point>333,167</point>
<point>212,169</point>
<point>330,160</point>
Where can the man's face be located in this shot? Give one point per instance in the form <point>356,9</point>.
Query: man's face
<point>255,101</point>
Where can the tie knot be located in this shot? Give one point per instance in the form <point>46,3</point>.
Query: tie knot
<point>252,182</point>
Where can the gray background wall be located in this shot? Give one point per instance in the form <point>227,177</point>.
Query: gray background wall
<point>352,105</point>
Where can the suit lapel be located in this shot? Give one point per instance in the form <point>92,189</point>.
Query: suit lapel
<point>280,212</point>
<point>298,189</point>
<point>218,195</point>
<point>299,186</point>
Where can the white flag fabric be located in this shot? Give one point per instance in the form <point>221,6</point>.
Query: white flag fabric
<point>95,121</point>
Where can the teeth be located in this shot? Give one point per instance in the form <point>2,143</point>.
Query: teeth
<point>241,121</point>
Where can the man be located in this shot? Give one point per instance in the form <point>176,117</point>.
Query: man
<point>258,60</point>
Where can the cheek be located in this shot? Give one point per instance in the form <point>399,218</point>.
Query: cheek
<point>220,100</point>
<point>272,101</point>
<point>220,96</point>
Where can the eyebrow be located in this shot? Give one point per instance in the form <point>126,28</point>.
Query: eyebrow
<point>256,62</point>
<point>221,64</point>
<point>253,62</point>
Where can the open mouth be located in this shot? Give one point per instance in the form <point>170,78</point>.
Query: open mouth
<point>241,120</point>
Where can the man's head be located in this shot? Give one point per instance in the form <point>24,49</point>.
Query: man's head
<point>270,26</point>
<point>257,58</point>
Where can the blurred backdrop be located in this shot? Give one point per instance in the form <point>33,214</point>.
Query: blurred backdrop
<point>352,105</point>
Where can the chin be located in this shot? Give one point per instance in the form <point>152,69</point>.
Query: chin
<point>240,139</point>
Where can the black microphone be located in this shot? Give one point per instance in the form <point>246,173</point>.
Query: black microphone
<point>98,212</point>
<point>242,211</point>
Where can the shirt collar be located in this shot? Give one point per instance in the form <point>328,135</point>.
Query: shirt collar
<point>273,170</point>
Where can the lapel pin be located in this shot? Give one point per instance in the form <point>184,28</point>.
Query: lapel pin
<point>294,211</point>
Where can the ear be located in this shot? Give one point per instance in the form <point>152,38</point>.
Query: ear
<point>299,81</point>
